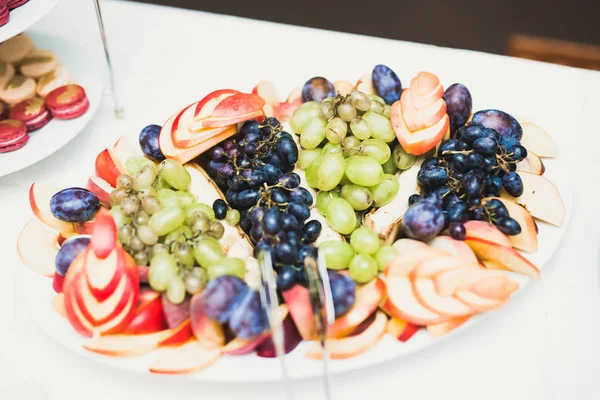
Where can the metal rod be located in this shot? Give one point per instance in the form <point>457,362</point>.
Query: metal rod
<point>119,112</point>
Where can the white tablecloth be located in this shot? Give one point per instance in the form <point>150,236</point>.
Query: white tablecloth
<point>542,345</point>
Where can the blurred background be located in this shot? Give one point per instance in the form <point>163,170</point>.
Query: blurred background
<point>564,32</point>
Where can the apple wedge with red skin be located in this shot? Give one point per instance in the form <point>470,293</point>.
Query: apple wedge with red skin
<point>527,240</point>
<point>206,107</point>
<point>351,346</point>
<point>365,84</point>
<point>189,133</point>
<point>298,301</point>
<point>39,200</point>
<point>37,248</point>
<point>540,197</point>
<point>538,141</point>
<point>148,316</point>
<point>368,298</point>
<point>100,188</point>
<point>402,303</point>
<point>185,359</point>
<point>454,247</point>
<point>58,282</point>
<point>533,164</point>
<point>126,345</point>
<point>101,286</point>
<point>106,168</point>
<point>489,243</point>
<point>234,109</point>
<point>400,329</point>
<point>178,335</point>
<point>206,330</point>
<point>266,90</point>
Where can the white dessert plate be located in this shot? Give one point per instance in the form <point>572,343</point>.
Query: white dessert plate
<point>21,18</point>
<point>57,133</point>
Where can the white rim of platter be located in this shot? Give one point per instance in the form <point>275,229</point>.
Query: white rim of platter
<point>37,293</point>
<point>21,18</point>
<point>57,133</point>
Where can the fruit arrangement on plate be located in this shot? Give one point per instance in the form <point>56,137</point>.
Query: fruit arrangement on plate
<point>421,209</point>
<point>34,89</point>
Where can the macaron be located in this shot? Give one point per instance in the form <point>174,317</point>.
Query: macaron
<point>3,111</point>
<point>13,135</point>
<point>4,13</point>
<point>67,102</point>
<point>60,76</point>
<point>12,4</point>
<point>7,72</point>
<point>19,88</point>
<point>16,48</point>
<point>38,63</point>
<point>32,112</point>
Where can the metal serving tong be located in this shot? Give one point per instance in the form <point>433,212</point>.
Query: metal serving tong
<point>322,305</point>
<point>270,303</point>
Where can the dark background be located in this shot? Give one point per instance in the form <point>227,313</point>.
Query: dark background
<point>472,24</point>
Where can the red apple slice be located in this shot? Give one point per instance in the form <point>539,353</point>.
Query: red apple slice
<point>427,295</point>
<point>421,118</point>
<point>494,287</point>
<point>400,329</point>
<point>448,282</point>
<point>104,234</point>
<point>125,345</point>
<point>478,303</point>
<point>106,167</point>
<point>531,163</point>
<point>420,141</point>
<point>493,265</point>
<point>537,141</point>
<point>454,247</point>
<point>486,231</point>
<point>237,105</point>
<point>178,336</point>
<point>353,345</point>
<point>214,122</point>
<point>187,358</point>
<point>39,200</point>
<point>409,245</point>
<point>368,298</point>
<point>189,132</point>
<point>37,248</point>
<point>58,282</point>
<point>541,198</point>
<point>100,188</point>
<point>507,256</point>
<point>148,316</point>
<point>343,87</point>
<point>438,330</point>
<point>266,90</point>
<point>405,263</point>
<point>425,89</point>
<point>433,266</point>
<point>527,240</point>
<point>298,301</point>
<point>58,304</point>
<point>206,107</point>
<point>365,84</point>
<point>404,304</point>
<point>121,151</point>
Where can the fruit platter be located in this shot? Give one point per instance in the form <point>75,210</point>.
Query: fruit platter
<point>428,213</point>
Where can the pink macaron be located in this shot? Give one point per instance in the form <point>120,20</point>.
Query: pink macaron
<point>13,135</point>
<point>32,112</point>
<point>12,4</point>
<point>4,13</point>
<point>67,102</point>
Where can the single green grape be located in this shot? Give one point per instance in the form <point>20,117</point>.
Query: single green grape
<point>207,252</point>
<point>303,115</point>
<point>306,157</point>
<point>363,268</point>
<point>133,164</point>
<point>312,171</point>
<point>146,192</point>
<point>332,148</point>
<point>145,177</point>
<point>192,208</point>
<point>374,97</point>
<point>193,284</point>
<point>336,130</point>
<point>387,111</point>
<point>337,254</point>
<point>147,235</point>
<point>351,145</point>
<point>176,290</point>
<point>386,190</point>
<point>119,216</point>
<point>323,199</point>
<point>330,171</point>
<point>359,197</point>
<point>232,217</point>
<point>183,255</point>
<point>162,269</point>
<point>166,220</point>
<point>402,159</point>
<point>175,174</point>
<point>185,198</point>
<point>364,241</point>
<point>377,149</point>
<point>380,126</point>
<point>360,128</point>
<point>168,198</point>
<point>179,235</point>
<point>227,266</point>
<point>341,216</point>
<point>313,134</point>
<point>384,255</point>
<point>363,171</point>
<point>160,183</point>
<point>389,167</point>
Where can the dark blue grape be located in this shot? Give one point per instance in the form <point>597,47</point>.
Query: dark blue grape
<point>311,231</point>
<point>508,226</point>
<point>518,153</point>
<point>386,83</point>
<point>489,163</point>
<point>448,146</point>
<point>508,143</point>
<point>430,162</point>
<point>432,177</point>
<point>264,245</point>
<point>256,214</point>
<point>232,197</point>
<point>287,149</point>
<point>477,214</point>
<point>493,183</point>
<point>245,222</point>
<point>290,223</point>
<point>433,198</point>
<point>257,231</point>
<point>459,104</point>
<point>496,208</point>
<point>442,191</point>
<point>272,220</point>
<point>250,149</point>
<point>501,122</point>
<point>220,208</point>
<point>68,251</point>
<point>248,319</point>
<point>212,167</point>
<point>220,295</point>
<point>298,210</point>
<point>279,195</point>
<point>450,200</point>
<point>248,198</point>
<point>343,292</point>
<point>250,127</point>
<point>272,173</point>
<point>413,199</point>
<point>459,212</point>
<point>459,162</point>
<point>237,182</point>
<point>226,170</point>
<point>274,159</point>
<point>317,89</point>
<point>286,253</point>
<point>148,140</point>
<point>271,121</point>
<point>457,231</point>
<point>446,220</point>
<point>473,182</point>
<point>459,176</point>
<point>289,181</point>
<point>251,138</point>
<point>243,161</point>
<point>280,236</point>
<point>463,145</point>
<point>294,238</point>
<point>301,195</point>
<point>485,146</point>
<point>74,205</point>
<point>301,276</point>
<point>475,201</point>
<point>475,161</point>
<point>308,250</point>
<point>257,179</point>
<point>513,184</point>
<point>216,153</point>
<point>423,221</point>
<point>286,277</point>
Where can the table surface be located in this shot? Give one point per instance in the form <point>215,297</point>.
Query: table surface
<point>542,345</point>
